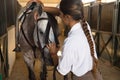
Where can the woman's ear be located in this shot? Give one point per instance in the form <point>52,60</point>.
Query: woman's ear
<point>36,16</point>
<point>68,18</point>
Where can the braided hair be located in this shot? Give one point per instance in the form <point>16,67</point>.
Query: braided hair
<point>75,9</point>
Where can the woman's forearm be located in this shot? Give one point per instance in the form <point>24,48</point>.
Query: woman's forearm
<point>53,10</point>
<point>55,59</point>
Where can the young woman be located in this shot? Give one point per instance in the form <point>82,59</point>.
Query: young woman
<point>78,52</point>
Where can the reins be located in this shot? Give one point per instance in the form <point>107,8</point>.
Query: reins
<point>47,41</point>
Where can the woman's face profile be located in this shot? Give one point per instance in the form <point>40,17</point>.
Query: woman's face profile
<point>64,18</point>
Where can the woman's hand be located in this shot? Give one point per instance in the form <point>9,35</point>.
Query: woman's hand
<point>52,48</point>
<point>53,51</point>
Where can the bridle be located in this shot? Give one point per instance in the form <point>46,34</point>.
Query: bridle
<point>47,40</point>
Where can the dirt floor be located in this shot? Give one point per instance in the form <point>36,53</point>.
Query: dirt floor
<point>19,71</point>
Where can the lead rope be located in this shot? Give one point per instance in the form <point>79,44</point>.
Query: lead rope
<point>88,36</point>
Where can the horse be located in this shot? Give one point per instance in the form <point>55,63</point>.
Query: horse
<point>32,35</point>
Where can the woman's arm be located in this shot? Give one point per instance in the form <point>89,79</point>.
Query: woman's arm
<point>53,10</point>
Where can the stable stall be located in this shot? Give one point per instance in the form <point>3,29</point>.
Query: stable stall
<point>8,13</point>
<point>104,19</point>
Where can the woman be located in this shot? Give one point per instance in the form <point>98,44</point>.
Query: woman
<point>78,53</point>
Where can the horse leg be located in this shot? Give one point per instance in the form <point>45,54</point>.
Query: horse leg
<point>43,74</point>
<point>29,60</point>
<point>31,74</point>
<point>54,72</point>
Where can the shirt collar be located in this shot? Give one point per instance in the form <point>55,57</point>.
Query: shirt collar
<point>74,27</point>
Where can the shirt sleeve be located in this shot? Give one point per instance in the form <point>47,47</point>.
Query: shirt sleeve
<point>65,61</point>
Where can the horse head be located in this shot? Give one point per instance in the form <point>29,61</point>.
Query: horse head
<point>46,31</point>
<point>34,29</point>
<point>38,28</point>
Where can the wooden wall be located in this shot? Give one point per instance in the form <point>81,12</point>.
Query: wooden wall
<point>119,20</point>
<point>8,12</point>
<point>3,19</point>
<point>106,16</point>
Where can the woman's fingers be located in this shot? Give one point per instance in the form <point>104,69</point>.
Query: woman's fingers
<point>52,47</point>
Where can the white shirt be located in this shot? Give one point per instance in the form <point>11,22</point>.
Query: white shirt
<point>76,56</point>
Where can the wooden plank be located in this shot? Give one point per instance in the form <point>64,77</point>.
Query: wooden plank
<point>3,22</point>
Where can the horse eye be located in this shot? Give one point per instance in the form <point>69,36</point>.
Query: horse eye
<point>41,32</point>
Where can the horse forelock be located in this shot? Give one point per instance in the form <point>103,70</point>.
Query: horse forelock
<point>30,21</point>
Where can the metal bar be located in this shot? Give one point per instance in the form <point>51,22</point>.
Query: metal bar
<point>98,28</point>
<point>105,45</point>
<point>118,41</point>
<point>104,32</point>
<point>89,13</point>
<point>118,35</point>
<point>4,55</point>
<point>5,11</point>
<point>6,67</point>
<point>118,24</point>
<point>114,30</point>
<point>13,8</point>
<point>108,52</point>
<point>3,36</point>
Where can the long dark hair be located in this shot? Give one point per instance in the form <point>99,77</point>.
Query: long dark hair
<point>75,9</point>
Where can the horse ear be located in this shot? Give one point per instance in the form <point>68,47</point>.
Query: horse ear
<point>36,16</point>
